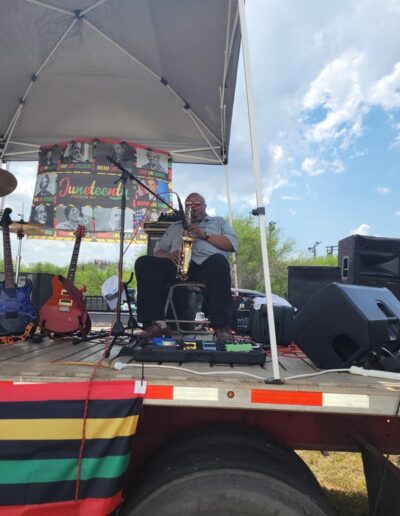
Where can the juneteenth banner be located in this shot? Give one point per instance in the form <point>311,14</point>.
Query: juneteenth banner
<point>41,431</point>
<point>77,185</point>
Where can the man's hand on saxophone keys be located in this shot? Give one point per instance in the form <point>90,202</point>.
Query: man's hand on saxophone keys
<point>173,255</point>
<point>197,232</point>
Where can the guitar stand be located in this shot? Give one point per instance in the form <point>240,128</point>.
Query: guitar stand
<point>101,334</point>
<point>92,335</point>
<point>118,330</point>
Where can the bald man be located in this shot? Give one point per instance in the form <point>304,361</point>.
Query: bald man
<point>214,240</point>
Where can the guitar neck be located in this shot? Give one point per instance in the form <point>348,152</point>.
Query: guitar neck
<point>9,282</point>
<point>74,259</point>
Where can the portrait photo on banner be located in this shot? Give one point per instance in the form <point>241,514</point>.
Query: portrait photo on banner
<point>46,184</point>
<point>149,159</point>
<point>77,152</point>
<point>49,156</point>
<point>43,214</point>
<point>110,219</point>
<point>70,216</point>
<point>121,151</point>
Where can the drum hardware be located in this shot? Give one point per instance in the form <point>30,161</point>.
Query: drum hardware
<point>22,228</point>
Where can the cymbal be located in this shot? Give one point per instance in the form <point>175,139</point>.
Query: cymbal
<point>28,228</point>
<point>8,182</point>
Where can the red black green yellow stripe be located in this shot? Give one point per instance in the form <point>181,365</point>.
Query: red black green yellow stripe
<point>41,430</point>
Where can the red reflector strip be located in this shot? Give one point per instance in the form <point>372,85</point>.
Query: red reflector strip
<point>287,397</point>
<point>99,390</point>
<point>159,392</point>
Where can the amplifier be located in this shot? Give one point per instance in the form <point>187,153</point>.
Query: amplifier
<point>154,231</point>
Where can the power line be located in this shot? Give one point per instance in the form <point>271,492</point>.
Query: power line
<point>331,249</point>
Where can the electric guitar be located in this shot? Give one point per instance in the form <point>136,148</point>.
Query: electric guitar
<point>16,308</point>
<point>64,311</point>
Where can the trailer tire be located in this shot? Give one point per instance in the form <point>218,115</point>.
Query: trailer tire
<point>225,492</point>
<point>230,443</point>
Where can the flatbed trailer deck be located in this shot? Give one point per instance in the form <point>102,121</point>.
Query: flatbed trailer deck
<point>319,411</point>
<point>209,424</point>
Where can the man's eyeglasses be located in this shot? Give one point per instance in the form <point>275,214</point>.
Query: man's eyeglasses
<point>191,204</point>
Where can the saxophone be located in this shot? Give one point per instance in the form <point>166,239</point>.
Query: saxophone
<point>185,253</point>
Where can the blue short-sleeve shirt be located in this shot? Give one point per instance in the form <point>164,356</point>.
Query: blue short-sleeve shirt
<point>202,249</point>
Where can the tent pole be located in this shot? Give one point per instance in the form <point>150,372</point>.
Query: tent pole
<point>259,197</point>
<point>3,199</point>
<point>230,218</point>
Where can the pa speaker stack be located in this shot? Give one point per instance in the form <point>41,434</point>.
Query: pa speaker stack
<point>344,325</point>
<point>370,261</point>
<point>305,281</point>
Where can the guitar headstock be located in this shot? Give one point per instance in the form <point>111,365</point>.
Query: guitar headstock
<point>5,220</point>
<point>80,231</point>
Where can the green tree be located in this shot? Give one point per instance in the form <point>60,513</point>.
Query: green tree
<point>92,274</point>
<point>249,260</point>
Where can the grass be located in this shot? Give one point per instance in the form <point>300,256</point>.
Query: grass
<point>341,475</point>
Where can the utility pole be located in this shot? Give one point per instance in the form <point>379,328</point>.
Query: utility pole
<point>313,249</point>
<point>331,249</point>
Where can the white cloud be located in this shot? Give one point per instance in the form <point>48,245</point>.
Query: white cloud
<point>386,91</point>
<point>337,166</point>
<point>363,229</point>
<point>338,89</point>
<point>397,213</point>
<point>273,183</point>
<point>292,212</point>
<point>212,212</point>
<point>276,152</point>
<point>382,190</point>
<point>312,167</point>
<point>290,198</point>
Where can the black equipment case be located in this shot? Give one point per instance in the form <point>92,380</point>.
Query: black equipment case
<point>283,317</point>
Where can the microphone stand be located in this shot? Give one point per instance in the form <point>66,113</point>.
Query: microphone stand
<point>118,329</point>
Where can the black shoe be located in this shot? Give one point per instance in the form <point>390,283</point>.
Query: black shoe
<point>154,330</point>
<point>223,335</point>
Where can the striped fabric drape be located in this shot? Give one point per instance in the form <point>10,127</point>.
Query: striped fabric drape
<point>41,432</point>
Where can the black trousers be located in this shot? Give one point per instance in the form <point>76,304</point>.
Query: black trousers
<point>155,275</point>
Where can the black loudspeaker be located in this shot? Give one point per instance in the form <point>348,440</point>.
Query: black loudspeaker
<point>41,290</point>
<point>371,261</point>
<point>305,281</point>
<point>342,325</point>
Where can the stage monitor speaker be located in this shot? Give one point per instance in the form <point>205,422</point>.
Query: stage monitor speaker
<point>305,281</point>
<point>42,286</point>
<point>342,324</point>
<point>370,261</point>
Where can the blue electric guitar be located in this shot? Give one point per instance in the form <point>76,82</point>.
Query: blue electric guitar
<point>16,308</point>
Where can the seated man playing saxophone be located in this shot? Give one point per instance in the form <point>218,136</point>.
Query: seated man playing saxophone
<point>214,239</point>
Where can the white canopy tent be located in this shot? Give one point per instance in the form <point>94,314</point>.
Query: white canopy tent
<point>161,73</point>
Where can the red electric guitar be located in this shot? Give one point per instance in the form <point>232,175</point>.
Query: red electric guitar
<point>65,311</point>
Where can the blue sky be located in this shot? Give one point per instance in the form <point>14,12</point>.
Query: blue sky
<point>327,95</point>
